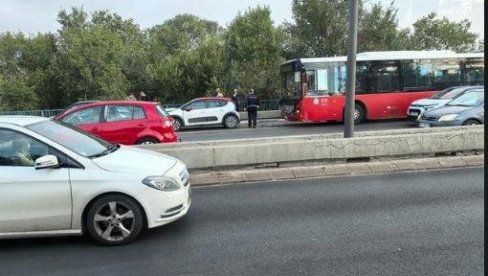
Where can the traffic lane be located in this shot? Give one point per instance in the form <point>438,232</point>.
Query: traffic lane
<point>428,223</point>
<point>284,129</point>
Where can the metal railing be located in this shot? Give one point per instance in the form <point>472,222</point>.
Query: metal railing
<point>265,106</point>
<point>42,113</point>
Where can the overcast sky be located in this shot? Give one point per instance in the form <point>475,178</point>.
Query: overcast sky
<point>32,16</point>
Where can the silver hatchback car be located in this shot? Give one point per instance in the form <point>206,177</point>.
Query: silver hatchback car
<point>468,109</point>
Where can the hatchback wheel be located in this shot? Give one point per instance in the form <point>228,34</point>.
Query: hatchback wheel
<point>147,141</point>
<point>231,121</point>
<point>114,220</point>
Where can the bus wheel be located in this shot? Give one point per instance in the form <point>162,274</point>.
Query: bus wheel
<point>359,114</point>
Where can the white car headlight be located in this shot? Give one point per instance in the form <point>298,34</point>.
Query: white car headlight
<point>447,118</point>
<point>161,183</point>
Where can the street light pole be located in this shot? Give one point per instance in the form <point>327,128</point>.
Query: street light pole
<point>351,69</point>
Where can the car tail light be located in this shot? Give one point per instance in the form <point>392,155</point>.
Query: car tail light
<point>168,123</point>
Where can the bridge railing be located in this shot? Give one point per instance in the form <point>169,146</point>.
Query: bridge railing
<point>266,105</point>
<point>42,113</point>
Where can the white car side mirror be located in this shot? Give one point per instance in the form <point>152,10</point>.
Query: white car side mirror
<point>46,162</point>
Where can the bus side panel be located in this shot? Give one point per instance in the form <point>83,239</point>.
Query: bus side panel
<point>323,108</point>
<point>390,105</point>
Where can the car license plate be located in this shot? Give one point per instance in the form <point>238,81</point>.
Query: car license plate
<point>414,114</point>
<point>424,125</point>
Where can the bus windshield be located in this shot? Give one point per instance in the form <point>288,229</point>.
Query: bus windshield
<point>291,84</point>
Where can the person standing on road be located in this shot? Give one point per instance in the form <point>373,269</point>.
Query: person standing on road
<point>252,108</point>
<point>142,96</point>
<point>235,99</point>
<point>219,93</point>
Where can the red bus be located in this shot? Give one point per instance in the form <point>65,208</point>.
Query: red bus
<point>386,83</point>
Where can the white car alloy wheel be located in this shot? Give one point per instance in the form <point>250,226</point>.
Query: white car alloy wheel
<point>114,220</point>
<point>231,121</point>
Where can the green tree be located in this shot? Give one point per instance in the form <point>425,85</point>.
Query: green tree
<point>90,60</point>
<point>19,71</point>
<point>433,33</point>
<point>184,58</point>
<point>16,94</point>
<point>378,30</point>
<point>252,48</point>
<point>38,60</point>
<point>320,28</point>
<point>135,57</point>
<point>182,32</point>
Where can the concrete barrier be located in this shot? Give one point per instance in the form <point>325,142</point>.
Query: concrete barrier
<point>270,114</point>
<point>391,143</point>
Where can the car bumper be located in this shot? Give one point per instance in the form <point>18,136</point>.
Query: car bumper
<point>170,138</point>
<point>413,113</point>
<point>427,124</point>
<point>412,118</point>
<point>165,207</point>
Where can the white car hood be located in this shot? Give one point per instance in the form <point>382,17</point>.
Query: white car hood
<point>172,110</point>
<point>135,160</point>
<point>424,102</point>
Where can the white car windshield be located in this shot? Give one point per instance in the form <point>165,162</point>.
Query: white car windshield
<point>73,139</point>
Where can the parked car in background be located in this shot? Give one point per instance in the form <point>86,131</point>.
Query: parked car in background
<point>467,109</point>
<point>439,99</point>
<point>59,180</point>
<point>206,111</point>
<point>123,122</point>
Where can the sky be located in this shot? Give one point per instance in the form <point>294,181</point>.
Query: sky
<point>32,16</point>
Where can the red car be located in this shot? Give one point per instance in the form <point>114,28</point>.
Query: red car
<point>123,122</point>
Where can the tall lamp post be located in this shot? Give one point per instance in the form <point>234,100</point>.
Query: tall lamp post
<point>351,69</point>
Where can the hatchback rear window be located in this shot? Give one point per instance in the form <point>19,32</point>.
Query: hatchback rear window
<point>162,111</point>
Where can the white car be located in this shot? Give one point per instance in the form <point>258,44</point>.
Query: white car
<point>205,111</point>
<point>58,180</point>
<point>439,99</point>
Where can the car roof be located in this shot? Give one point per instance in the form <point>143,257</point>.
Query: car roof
<point>80,105</point>
<point>213,98</point>
<point>115,102</point>
<point>21,120</point>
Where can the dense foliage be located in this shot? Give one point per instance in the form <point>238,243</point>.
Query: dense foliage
<point>103,56</point>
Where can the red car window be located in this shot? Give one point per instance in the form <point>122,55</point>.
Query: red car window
<point>85,116</point>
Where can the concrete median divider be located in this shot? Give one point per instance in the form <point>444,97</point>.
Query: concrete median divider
<point>248,153</point>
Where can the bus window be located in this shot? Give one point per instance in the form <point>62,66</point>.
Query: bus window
<point>311,82</point>
<point>383,76</point>
<point>447,73</point>
<point>417,75</point>
<point>291,85</point>
<point>322,80</point>
<point>362,78</point>
<point>474,72</point>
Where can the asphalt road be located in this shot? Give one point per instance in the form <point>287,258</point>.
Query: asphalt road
<point>428,223</point>
<point>283,128</point>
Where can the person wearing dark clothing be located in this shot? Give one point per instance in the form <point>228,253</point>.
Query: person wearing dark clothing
<point>252,109</point>
<point>235,100</point>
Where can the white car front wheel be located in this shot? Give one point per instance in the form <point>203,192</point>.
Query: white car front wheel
<point>114,220</point>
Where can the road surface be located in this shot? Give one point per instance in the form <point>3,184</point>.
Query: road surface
<point>428,223</point>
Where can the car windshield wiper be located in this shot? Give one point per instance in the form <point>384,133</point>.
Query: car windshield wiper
<point>467,105</point>
<point>109,150</point>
